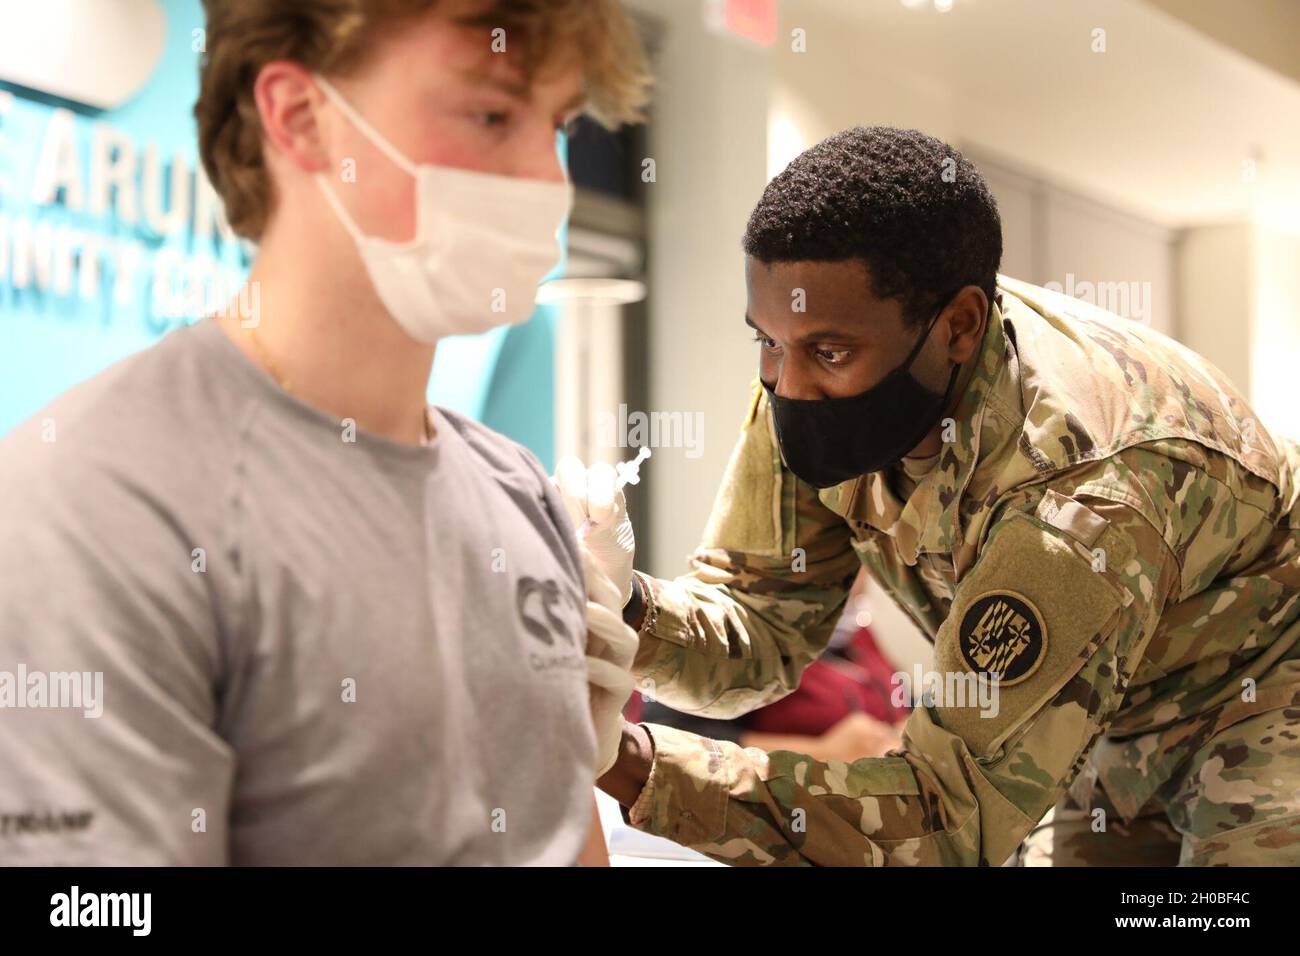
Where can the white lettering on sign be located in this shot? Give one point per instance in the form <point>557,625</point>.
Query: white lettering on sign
<point>102,172</point>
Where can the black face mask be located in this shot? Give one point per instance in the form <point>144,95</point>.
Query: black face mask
<point>829,440</point>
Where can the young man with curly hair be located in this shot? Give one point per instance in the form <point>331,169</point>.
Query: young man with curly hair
<point>335,625</point>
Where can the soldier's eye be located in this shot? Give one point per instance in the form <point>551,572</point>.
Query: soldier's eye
<point>764,341</point>
<point>834,356</point>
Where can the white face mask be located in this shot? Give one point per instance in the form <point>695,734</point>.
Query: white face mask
<point>482,244</point>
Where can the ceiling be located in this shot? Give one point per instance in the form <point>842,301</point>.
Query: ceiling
<point>1267,31</point>
<point>1175,120</point>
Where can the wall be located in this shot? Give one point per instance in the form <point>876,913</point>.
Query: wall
<point>709,138</point>
<point>1275,345</point>
<point>1239,284</point>
<point>1107,256</point>
<point>1216,287</point>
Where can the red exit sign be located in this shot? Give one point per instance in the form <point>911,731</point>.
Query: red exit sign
<point>754,20</point>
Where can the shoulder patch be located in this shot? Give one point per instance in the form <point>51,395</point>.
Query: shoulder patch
<point>1031,607</point>
<point>1002,637</point>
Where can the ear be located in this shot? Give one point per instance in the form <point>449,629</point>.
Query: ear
<point>967,312</point>
<point>288,106</point>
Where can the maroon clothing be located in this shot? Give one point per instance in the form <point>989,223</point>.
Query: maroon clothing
<point>856,677</point>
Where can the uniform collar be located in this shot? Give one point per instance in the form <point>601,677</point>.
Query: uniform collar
<point>928,519</point>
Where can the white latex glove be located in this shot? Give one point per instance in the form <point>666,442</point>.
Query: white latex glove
<point>611,648</point>
<point>590,494</point>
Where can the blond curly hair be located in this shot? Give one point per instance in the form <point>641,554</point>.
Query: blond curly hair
<point>331,36</point>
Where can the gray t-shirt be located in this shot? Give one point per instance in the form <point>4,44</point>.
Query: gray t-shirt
<point>313,650</point>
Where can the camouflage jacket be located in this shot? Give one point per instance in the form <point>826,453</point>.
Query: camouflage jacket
<point>1108,531</point>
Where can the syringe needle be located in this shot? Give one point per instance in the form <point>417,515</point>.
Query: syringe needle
<point>628,473</point>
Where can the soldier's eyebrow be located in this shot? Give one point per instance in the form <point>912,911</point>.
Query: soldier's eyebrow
<point>815,336</point>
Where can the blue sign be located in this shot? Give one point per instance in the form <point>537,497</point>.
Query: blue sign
<point>111,234</point>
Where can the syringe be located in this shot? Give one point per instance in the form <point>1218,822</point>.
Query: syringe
<point>628,473</point>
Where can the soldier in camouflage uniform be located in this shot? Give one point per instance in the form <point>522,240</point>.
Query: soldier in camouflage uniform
<point>1105,541</point>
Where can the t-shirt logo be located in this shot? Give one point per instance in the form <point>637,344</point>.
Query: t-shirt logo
<point>538,603</point>
<point>1002,637</point>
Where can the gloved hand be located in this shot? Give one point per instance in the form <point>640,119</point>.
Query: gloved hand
<point>590,494</point>
<point>611,648</point>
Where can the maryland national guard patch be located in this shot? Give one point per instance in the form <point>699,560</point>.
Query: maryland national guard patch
<point>1002,634</point>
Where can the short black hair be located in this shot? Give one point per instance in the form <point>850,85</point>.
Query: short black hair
<point>916,211</point>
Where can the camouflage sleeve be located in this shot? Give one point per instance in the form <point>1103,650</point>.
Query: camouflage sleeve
<point>1060,603</point>
<point>763,594</point>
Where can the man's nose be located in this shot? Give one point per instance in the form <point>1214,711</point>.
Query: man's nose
<point>544,161</point>
<point>791,383</point>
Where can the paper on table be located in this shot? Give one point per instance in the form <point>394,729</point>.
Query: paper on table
<point>634,846</point>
